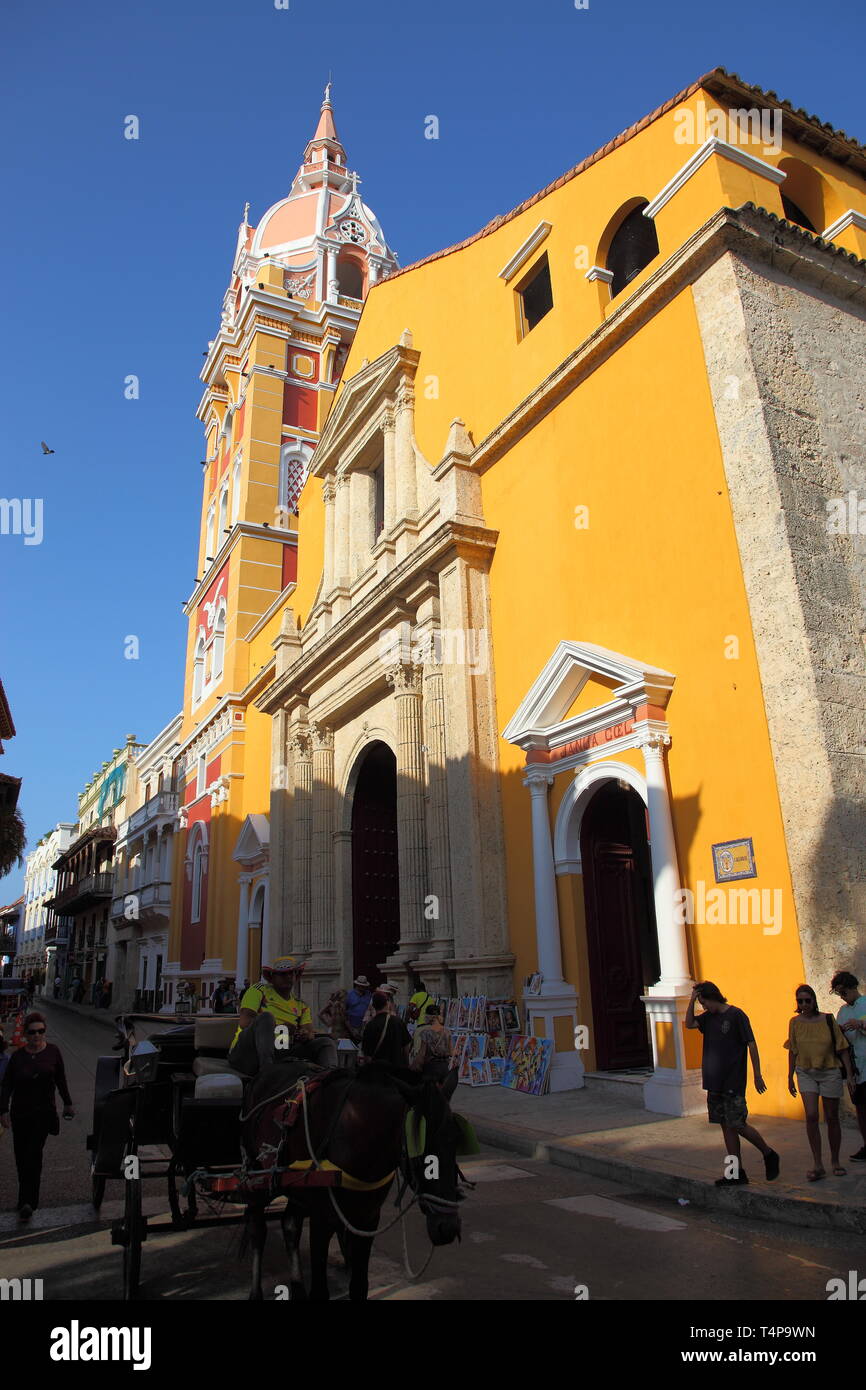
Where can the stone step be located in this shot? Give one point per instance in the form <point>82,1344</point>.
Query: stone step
<point>625,1086</point>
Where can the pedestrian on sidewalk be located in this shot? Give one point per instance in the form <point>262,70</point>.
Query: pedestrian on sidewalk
<point>817,1048</point>
<point>357,1003</point>
<point>727,1039</point>
<point>852,1020</point>
<point>334,1015</point>
<point>28,1087</point>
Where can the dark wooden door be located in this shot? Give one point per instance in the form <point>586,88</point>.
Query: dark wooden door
<point>618,906</point>
<point>375,876</point>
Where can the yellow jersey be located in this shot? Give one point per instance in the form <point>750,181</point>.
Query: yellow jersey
<point>291,1011</point>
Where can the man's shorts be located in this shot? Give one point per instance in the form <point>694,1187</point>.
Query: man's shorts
<point>815,1081</point>
<point>725,1108</point>
<point>860,1096</point>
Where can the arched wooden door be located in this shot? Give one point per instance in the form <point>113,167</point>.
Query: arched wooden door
<point>375,873</point>
<point>620,925</point>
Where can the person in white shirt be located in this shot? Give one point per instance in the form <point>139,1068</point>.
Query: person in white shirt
<point>852,1020</point>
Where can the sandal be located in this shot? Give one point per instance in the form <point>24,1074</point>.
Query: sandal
<point>814,1174</point>
<point>840,1172</point>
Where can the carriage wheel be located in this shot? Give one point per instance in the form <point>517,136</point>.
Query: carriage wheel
<point>97,1190</point>
<point>133,1228</point>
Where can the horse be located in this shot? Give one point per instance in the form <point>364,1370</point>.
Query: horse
<point>345,1137</point>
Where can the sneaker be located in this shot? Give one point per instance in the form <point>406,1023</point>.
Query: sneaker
<point>771,1165</point>
<point>25,1212</point>
<point>740,1181</point>
<point>859,1156</point>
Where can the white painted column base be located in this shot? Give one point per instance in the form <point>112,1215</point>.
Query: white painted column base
<point>557,1000</point>
<point>673,1090</point>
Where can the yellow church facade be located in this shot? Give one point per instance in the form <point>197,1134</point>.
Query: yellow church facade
<point>569,683</point>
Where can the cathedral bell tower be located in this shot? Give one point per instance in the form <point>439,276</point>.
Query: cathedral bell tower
<point>297,287</point>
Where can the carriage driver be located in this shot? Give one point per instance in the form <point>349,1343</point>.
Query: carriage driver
<point>274,1001</point>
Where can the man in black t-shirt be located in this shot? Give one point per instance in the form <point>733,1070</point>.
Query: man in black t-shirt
<point>728,1036</point>
<point>386,1037</point>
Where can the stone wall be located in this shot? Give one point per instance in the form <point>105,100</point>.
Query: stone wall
<point>786,364</point>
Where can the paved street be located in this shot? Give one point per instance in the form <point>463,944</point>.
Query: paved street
<point>532,1231</point>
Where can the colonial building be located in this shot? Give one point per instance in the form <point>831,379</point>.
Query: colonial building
<point>38,944</point>
<point>10,918</point>
<point>143,858</point>
<point>572,679</point>
<point>289,314</point>
<point>79,910</point>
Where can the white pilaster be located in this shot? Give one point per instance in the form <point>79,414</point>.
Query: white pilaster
<point>242,957</point>
<point>558,999</point>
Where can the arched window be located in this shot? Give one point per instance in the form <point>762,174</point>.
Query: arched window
<point>294,466</point>
<point>236,490</point>
<point>224,515</point>
<point>198,672</point>
<point>219,629</point>
<point>350,278</point>
<point>806,198</point>
<point>197,874</point>
<point>633,245</point>
<point>208,544</point>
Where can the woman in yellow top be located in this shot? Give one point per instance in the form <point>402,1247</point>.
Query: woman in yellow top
<point>817,1048</point>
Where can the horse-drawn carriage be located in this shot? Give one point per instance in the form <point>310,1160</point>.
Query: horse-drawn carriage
<point>295,1132</point>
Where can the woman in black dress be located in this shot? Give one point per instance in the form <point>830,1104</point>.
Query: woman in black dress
<point>27,1104</point>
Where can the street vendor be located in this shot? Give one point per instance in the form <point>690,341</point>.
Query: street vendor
<point>274,1003</point>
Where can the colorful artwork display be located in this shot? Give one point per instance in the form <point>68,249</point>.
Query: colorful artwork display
<point>528,1065</point>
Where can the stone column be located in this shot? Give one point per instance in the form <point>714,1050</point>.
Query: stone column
<point>341,532</point>
<point>405,678</point>
<point>407,482</point>
<point>675,1088</point>
<point>553,1012</point>
<point>323,838</point>
<point>328,496</point>
<point>302,755</point>
<point>332,288</point>
<point>279,913</point>
<point>440,928</point>
<point>242,957</point>
<point>362,494</point>
<point>673,948</point>
<point>544,874</point>
<point>390,466</point>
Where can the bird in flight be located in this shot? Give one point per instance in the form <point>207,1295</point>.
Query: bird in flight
<point>45,448</point>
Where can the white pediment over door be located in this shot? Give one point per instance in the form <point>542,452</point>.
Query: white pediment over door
<point>584,688</point>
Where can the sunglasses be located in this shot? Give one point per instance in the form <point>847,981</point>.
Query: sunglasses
<point>31,1032</point>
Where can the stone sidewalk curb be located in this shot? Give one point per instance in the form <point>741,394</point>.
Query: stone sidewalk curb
<point>752,1202</point>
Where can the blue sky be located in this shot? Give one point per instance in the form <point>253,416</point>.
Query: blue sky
<point>116,255</point>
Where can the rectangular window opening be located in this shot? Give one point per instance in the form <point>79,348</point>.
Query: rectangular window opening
<point>534,296</point>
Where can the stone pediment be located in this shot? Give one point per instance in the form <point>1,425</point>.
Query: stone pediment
<point>254,841</point>
<point>362,399</point>
<point>556,710</point>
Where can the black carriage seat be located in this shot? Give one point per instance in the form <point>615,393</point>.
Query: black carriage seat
<point>216,1079</point>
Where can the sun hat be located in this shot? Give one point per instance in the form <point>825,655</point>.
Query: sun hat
<point>362,981</point>
<point>286,965</point>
